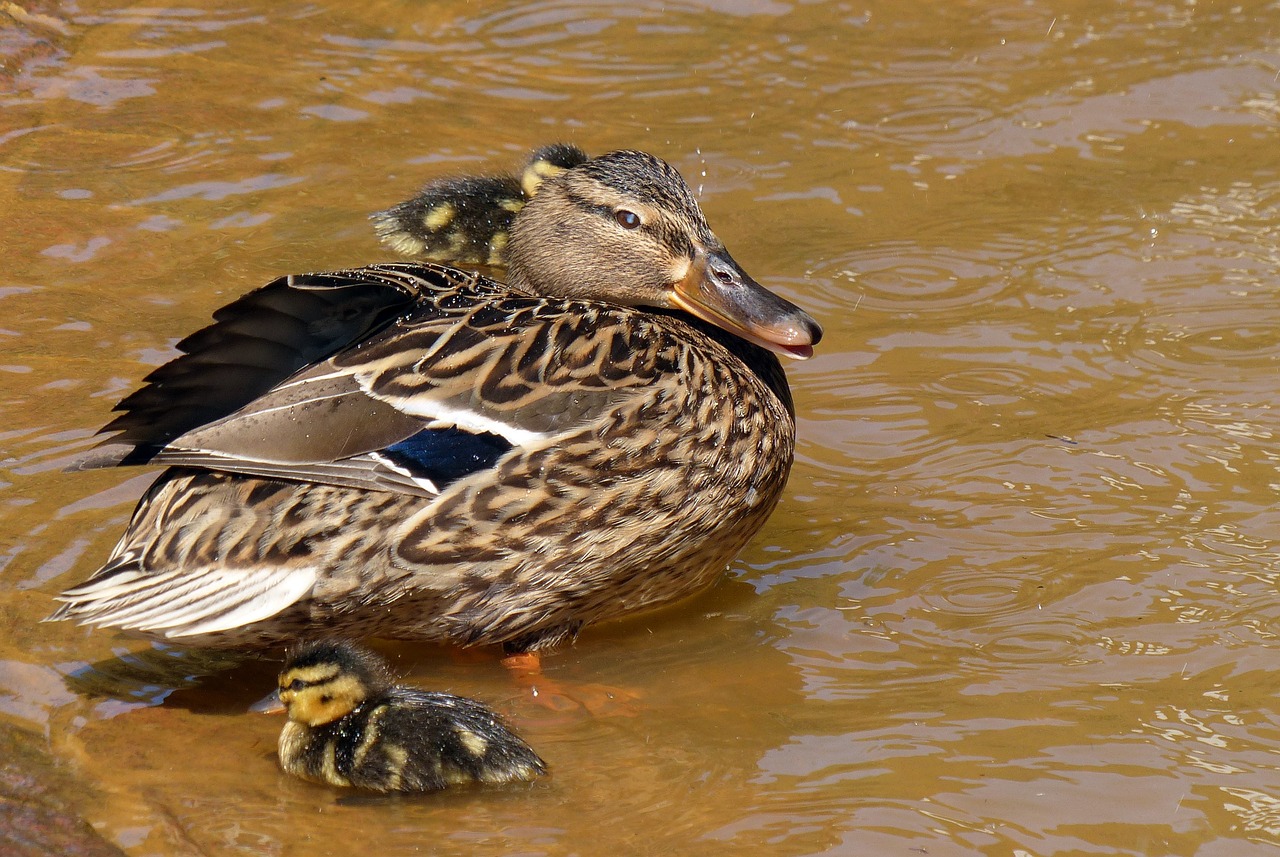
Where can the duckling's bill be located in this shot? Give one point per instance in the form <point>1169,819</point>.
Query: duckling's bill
<point>717,290</point>
<point>269,704</point>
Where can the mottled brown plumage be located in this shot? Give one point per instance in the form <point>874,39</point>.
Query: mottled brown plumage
<point>414,451</point>
<point>351,725</point>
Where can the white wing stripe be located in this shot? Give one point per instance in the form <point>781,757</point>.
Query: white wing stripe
<point>421,481</point>
<point>467,420</point>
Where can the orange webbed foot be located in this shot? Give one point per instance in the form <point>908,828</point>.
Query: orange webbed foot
<point>564,698</point>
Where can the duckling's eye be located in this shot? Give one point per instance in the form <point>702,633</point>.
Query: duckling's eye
<point>296,685</point>
<point>627,219</point>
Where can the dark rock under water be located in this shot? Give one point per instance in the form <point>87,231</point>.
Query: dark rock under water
<point>36,816</point>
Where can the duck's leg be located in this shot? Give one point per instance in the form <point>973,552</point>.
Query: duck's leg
<point>521,663</point>
<point>526,669</point>
<point>564,698</point>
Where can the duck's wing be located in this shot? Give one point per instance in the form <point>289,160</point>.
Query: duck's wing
<point>253,344</point>
<point>470,374</point>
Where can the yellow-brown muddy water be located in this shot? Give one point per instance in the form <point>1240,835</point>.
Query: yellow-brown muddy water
<point>1021,597</point>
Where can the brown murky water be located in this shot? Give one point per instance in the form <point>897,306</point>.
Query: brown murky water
<point>1021,598</point>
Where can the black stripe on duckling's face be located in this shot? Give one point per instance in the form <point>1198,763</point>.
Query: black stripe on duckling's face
<point>625,228</point>
<point>324,681</point>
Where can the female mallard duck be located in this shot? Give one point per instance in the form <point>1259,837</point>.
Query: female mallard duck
<point>351,725</point>
<point>414,451</point>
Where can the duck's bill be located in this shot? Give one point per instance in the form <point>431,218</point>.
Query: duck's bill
<point>716,290</point>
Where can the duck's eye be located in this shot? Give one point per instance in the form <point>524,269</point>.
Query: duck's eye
<point>297,684</point>
<point>627,219</point>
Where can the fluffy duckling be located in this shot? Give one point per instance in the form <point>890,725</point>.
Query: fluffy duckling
<point>351,725</point>
<point>467,219</point>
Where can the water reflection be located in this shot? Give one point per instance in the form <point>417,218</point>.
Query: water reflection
<point>152,675</point>
<point>715,725</point>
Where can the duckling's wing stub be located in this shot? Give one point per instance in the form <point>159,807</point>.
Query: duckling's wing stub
<point>254,343</point>
<point>466,742</point>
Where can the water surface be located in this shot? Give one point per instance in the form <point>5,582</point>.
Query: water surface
<point>1021,596</point>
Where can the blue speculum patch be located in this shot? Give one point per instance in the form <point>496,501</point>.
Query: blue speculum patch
<point>445,455</point>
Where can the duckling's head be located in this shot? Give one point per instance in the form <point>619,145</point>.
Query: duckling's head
<point>625,228</point>
<point>328,679</point>
<point>547,162</point>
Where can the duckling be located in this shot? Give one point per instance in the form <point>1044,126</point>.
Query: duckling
<point>415,451</point>
<point>351,725</point>
<point>548,162</point>
<point>467,220</point>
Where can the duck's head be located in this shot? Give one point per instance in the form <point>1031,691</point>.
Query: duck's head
<point>625,228</point>
<point>326,680</point>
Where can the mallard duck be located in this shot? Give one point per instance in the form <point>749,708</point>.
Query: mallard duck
<point>350,724</point>
<point>415,451</point>
<point>467,219</point>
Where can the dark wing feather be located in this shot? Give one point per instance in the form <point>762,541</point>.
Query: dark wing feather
<point>316,416</point>
<point>254,343</point>
<point>326,429</point>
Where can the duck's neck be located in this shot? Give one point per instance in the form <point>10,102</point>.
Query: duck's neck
<point>518,281</point>
<point>765,364</point>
